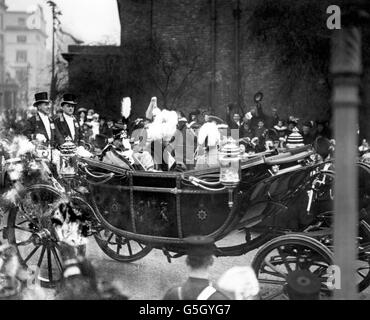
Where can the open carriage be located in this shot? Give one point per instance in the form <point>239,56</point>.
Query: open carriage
<point>134,211</point>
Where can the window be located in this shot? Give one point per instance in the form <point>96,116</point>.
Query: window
<point>21,56</point>
<point>22,22</point>
<point>21,75</point>
<point>1,43</point>
<point>22,39</point>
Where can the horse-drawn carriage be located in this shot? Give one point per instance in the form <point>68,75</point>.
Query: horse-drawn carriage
<point>276,199</point>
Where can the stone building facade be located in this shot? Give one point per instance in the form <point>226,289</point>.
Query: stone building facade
<point>25,52</point>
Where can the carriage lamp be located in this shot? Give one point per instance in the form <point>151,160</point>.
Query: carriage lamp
<point>230,168</point>
<point>42,151</point>
<point>68,160</point>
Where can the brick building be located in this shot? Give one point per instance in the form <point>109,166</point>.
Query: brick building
<point>194,54</point>
<point>94,76</point>
<point>236,65</point>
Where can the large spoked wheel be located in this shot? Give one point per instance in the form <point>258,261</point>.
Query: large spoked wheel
<point>288,253</point>
<point>120,248</point>
<point>29,229</point>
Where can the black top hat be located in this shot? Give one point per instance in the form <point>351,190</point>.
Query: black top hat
<point>69,98</point>
<point>41,97</point>
<point>258,96</point>
<point>200,246</point>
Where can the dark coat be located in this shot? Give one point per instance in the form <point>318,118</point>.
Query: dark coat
<point>62,130</point>
<point>34,126</point>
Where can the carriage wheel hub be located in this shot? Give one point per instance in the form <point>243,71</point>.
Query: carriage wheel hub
<point>42,236</point>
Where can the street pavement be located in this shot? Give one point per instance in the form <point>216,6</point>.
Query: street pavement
<point>150,277</point>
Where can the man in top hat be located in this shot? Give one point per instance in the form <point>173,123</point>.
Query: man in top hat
<point>199,260</point>
<point>67,125</point>
<point>41,127</point>
<point>232,117</point>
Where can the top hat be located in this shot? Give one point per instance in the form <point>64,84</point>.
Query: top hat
<point>258,96</point>
<point>41,97</point>
<point>69,98</point>
<point>200,246</point>
<point>82,110</point>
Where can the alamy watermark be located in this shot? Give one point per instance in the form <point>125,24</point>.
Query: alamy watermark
<point>333,276</point>
<point>333,22</point>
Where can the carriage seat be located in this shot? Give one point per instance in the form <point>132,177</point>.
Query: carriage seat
<point>287,157</point>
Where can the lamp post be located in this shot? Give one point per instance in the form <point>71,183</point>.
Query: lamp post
<point>346,69</point>
<point>55,13</point>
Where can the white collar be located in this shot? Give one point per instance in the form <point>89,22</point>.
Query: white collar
<point>66,116</point>
<point>43,116</point>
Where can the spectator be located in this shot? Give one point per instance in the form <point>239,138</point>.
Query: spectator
<point>245,130</point>
<point>364,147</point>
<point>308,137</point>
<point>280,129</point>
<point>322,129</point>
<point>272,120</point>
<point>239,283</point>
<point>90,114</point>
<point>198,286</point>
<point>109,128</point>
<point>81,116</point>
<point>291,125</point>
<point>260,130</point>
<point>232,117</point>
<point>194,120</point>
<point>257,111</point>
<point>102,125</point>
<point>95,125</point>
<point>86,132</point>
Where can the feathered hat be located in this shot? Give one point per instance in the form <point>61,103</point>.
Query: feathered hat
<point>126,107</point>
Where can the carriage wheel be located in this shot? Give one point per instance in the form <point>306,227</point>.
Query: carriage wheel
<point>29,229</point>
<point>119,248</point>
<point>285,254</point>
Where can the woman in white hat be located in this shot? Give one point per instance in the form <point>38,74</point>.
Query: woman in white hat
<point>239,283</point>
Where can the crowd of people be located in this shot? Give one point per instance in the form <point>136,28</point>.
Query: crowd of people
<point>182,139</point>
<point>187,142</point>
